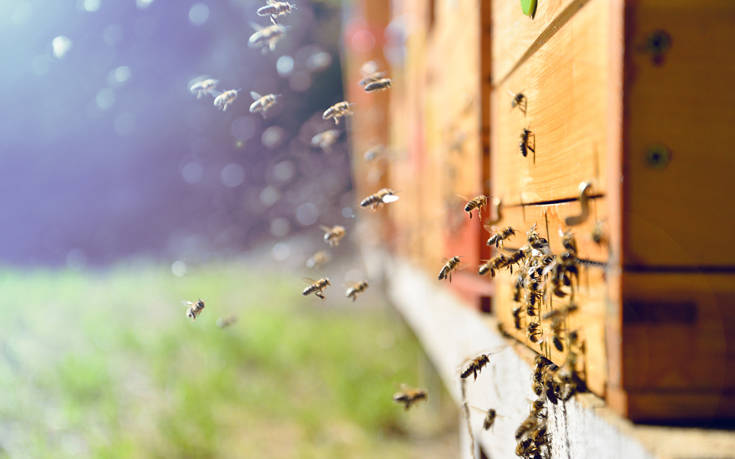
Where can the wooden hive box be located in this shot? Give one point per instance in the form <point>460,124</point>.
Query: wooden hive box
<point>634,98</point>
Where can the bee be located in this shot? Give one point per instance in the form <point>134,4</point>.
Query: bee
<point>333,235</point>
<point>534,332</point>
<point>194,309</point>
<point>224,322</point>
<point>527,425</point>
<point>516,257</point>
<point>353,290</point>
<point>449,266</point>
<point>535,241</point>
<point>519,100</point>
<point>316,287</point>
<point>598,234</point>
<point>262,103</point>
<point>226,99</point>
<point>370,73</point>
<point>498,238</point>
<point>475,366</point>
<point>337,111</point>
<point>551,386</point>
<point>374,153</point>
<point>317,259</point>
<point>266,38</point>
<point>534,295</point>
<point>518,288</point>
<point>517,317</point>
<point>408,396</point>
<point>478,202</point>
<point>275,8</point>
<point>526,448</point>
<point>538,409</point>
<point>377,199</point>
<point>569,242</point>
<point>539,435</point>
<point>378,85</point>
<point>207,86</point>
<point>489,420</point>
<point>493,264</point>
<point>525,145</point>
<point>325,139</point>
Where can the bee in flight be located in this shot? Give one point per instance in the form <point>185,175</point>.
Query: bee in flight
<point>194,308</point>
<point>333,235</point>
<point>262,103</point>
<point>378,85</point>
<point>519,100</point>
<point>316,287</point>
<point>325,139</point>
<point>204,87</point>
<point>497,262</point>
<point>337,111</point>
<point>377,199</point>
<point>226,99</point>
<point>475,366</point>
<point>408,396</point>
<point>478,202</point>
<point>266,38</point>
<point>317,260</point>
<point>449,266</point>
<point>224,322</point>
<point>275,8</point>
<point>356,288</point>
<point>498,237</point>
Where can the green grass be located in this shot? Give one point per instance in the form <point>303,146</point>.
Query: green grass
<point>107,365</point>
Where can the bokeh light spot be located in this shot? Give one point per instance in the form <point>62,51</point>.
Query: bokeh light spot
<point>198,14</point>
<point>232,175</point>
<point>307,214</point>
<point>60,46</point>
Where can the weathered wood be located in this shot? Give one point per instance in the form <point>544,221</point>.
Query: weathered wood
<point>679,213</point>
<point>565,84</point>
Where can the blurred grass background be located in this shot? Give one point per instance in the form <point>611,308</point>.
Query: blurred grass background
<point>105,364</point>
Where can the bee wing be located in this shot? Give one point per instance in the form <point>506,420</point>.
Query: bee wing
<point>326,229</point>
<point>309,280</point>
<point>255,95</point>
<point>255,26</point>
<point>390,198</point>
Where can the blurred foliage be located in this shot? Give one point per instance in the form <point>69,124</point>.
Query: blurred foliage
<point>107,365</point>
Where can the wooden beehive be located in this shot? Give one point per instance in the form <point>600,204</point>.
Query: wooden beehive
<point>631,97</point>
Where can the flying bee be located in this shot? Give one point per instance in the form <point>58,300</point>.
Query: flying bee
<point>525,145</point>
<point>478,202</point>
<point>316,287</point>
<point>408,396</point>
<point>317,259</point>
<point>527,425</point>
<point>275,8</point>
<point>378,85</point>
<point>475,366</point>
<point>370,73</point>
<point>497,262</point>
<point>226,99</point>
<point>325,139</point>
<point>354,289</point>
<point>534,332</point>
<point>519,100</point>
<point>266,38</point>
<point>449,266</point>
<point>516,257</point>
<point>377,199</point>
<point>490,416</point>
<point>194,309</point>
<point>224,322</point>
<point>202,87</point>
<point>333,235</point>
<point>337,111</point>
<point>262,103</point>
<point>568,241</point>
<point>498,238</point>
<point>517,317</point>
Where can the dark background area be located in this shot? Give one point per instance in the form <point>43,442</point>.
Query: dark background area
<point>98,167</point>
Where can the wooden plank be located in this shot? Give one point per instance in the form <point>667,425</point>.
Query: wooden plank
<point>588,321</point>
<point>566,88</point>
<point>514,33</point>
<point>550,219</point>
<point>685,102</point>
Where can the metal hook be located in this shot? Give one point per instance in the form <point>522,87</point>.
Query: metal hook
<point>575,220</point>
<point>498,205</point>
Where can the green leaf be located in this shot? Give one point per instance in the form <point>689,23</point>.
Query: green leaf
<point>528,7</point>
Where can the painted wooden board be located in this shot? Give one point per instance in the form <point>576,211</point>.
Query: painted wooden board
<point>676,212</point>
<point>514,34</point>
<point>566,87</point>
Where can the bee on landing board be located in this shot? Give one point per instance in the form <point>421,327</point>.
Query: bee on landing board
<point>519,100</point>
<point>408,396</point>
<point>478,202</point>
<point>525,146</point>
<point>355,289</point>
<point>261,104</point>
<point>498,237</point>
<point>194,308</point>
<point>266,38</point>
<point>316,287</point>
<point>203,87</point>
<point>226,99</point>
<point>448,268</point>
<point>377,199</point>
<point>337,111</point>
<point>333,235</point>
<point>274,8</point>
